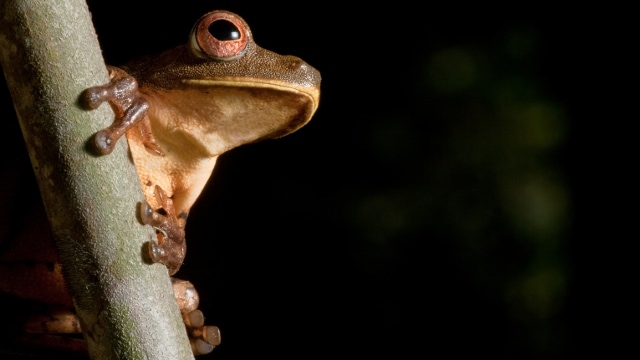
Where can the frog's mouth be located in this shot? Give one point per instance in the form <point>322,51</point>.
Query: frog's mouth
<point>311,92</point>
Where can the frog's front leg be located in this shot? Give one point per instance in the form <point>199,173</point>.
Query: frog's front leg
<point>171,247</point>
<point>131,109</point>
<point>129,106</point>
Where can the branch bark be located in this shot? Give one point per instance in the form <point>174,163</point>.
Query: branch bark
<point>49,53</point>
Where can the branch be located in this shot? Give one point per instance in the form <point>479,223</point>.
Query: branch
<point>50,54</point>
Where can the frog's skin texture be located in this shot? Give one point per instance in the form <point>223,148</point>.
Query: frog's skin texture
<point>184,108</point>
<point>179,110</point>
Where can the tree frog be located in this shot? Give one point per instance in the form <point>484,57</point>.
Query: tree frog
<point>183,108</point>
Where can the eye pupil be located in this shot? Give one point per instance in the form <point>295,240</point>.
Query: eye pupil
<point>224,30</point>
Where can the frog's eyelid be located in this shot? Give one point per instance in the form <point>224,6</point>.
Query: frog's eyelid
<point>206,45</point>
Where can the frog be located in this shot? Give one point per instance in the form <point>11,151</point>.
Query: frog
<point>179,111</point>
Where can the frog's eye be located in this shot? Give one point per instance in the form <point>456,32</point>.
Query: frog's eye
<point>220,35</point>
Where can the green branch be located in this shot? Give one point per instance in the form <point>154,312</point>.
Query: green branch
<point>50,54</point>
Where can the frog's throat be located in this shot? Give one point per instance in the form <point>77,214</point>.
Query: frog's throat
<point>313,93</point>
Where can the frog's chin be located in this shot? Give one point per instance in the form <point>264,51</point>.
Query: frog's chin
<point>209,117</point>
<point>312,92</point>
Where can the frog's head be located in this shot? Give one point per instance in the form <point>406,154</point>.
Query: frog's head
<point>221,90</point>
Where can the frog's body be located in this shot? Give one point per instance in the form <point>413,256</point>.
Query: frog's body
<point>199,109</point>
<point>182,109</point>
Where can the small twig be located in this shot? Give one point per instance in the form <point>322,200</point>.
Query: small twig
<point>50,54</point>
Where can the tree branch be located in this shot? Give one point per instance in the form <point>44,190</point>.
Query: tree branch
<point>50,54</point>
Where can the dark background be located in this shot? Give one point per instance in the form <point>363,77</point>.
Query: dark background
<point>436,203</point>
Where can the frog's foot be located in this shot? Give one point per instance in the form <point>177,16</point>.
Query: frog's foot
<point>57,328</point>
<point>130,109</point>
<point>171,247</point>
<point>203,338</point>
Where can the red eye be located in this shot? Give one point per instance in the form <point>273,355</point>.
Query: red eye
<point>221,35</point>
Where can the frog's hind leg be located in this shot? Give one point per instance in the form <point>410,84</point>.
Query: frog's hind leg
<point>49,328</point>
<point>35,328</point>
<point>53,320</point>
<point>203,338</point>
<point>56,326</point>
<point>171,247</point>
